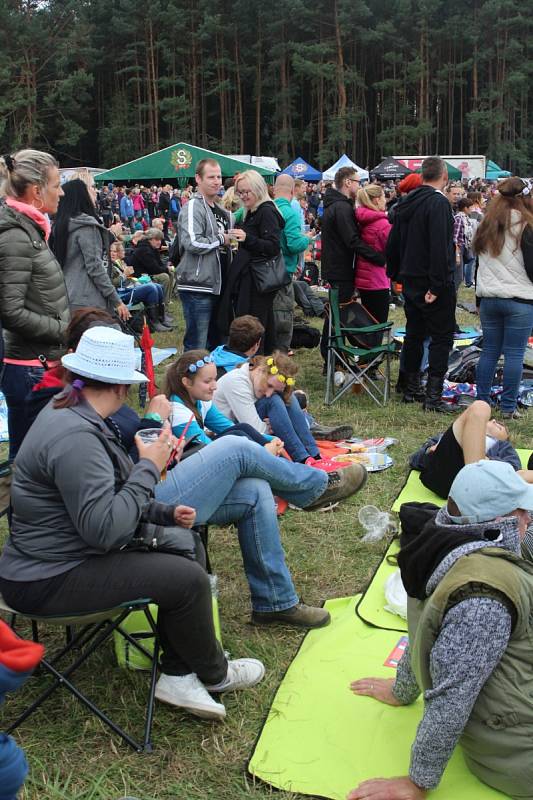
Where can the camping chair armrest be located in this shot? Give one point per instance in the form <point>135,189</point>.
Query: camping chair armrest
<point>381,326</point>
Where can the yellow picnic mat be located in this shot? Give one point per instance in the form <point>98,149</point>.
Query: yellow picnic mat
<point>415,491</point>
<point>370,607</point>
<point>321,740</point>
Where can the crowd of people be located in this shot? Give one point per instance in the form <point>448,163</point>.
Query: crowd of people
<point>233,432</point>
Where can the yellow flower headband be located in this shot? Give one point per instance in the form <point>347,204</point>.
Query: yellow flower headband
<point>275,371</point>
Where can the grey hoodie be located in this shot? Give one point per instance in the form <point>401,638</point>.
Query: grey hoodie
<point>199,267</point>
<point>86,268</point>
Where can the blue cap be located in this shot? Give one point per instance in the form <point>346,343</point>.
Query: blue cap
<point>488,489</point>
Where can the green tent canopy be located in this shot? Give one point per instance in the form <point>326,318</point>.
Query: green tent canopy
<point>175,163</point>
<point>494,172</point>
<point>454,174</point>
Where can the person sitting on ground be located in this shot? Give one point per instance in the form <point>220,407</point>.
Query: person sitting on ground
<point>470,437</point>
<point>260,393</point>
<point>74,517</point>
<point>131,291</point>
<point>245,335</point>
<point>190,385</point>
<point>469,615</point>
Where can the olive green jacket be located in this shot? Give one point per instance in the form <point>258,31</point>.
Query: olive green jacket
<point>33,298</point>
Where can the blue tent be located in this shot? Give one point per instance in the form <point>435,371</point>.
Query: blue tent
<point>494,172</point>
<point>301,169</point>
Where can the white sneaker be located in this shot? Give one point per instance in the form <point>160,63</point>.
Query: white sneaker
<point>187,691</point>
<point>242,673</point>
<point>339,378</point>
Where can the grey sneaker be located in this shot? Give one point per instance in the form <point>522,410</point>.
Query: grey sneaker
<point>341,483</point>
<point>301,616</point>
<point>334,433</point>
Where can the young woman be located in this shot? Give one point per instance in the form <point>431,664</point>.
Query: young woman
<point>74,516</point>
<point>81,245</point>
<point>33,298</point>
<point>131,292</point>
<point>370,279</point>
<point>504,245</point>
<point>190,386</point>
<point>258,237</point>
<point>260,393</point>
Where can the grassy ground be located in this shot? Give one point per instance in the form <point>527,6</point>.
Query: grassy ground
<point>72,756</point>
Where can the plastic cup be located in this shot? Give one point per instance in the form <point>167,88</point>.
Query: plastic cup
<point>149,436</point>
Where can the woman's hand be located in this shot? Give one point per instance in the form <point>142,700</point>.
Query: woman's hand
<point>160,404</point>
<point>387,789</point>
<point>238,234</point>
<point>128,271</point>
<point>158,452</point>
<point>184,516</point>
<point>123,312</point>
<point>275,446</point>
<point>379,688</point>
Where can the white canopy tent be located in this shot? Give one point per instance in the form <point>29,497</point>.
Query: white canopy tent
<point>344,161</point>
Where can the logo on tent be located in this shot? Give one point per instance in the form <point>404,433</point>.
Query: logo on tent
<point>299,167</point>
<point>181,159</point>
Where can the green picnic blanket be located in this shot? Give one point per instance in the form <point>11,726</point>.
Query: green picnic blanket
<point>321,740</point>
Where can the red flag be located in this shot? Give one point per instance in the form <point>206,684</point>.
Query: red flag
<point>146,344</point>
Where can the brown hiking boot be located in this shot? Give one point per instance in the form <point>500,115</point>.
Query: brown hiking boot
<point>341,483</point>
<point>301,616</point>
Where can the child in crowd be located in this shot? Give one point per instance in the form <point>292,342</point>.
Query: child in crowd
<point>190,386</point>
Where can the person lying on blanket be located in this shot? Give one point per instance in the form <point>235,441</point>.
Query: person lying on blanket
<point>468,573</point>
<point>470,437</point>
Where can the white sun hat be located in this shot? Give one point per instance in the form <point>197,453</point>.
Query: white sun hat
<point>105,354</point>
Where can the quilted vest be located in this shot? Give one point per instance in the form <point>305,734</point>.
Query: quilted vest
<point>505,275</point>
<point>498,738</point>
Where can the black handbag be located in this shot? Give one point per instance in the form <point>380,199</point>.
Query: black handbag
<point>269,274</point>
<point>151,538</point>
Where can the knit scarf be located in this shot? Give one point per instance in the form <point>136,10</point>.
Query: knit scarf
<point>33,213</point>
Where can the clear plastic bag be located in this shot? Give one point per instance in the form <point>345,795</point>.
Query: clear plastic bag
<point>376,523</point>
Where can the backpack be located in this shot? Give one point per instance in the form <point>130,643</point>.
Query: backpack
<point>304,335</point>
<point>355,315</point>
<point>174,254</point>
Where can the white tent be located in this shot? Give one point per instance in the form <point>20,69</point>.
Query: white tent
<point>344,161</point>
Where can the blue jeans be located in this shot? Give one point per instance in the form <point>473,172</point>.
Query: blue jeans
<point>468,271</point>
<point>17,382</point>
<point>151,294</point>
<point>231,481</point>
<point>197,310</point>
<point>289,423</point>
<point>506,327</point>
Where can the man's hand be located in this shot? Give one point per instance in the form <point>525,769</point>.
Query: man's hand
<point>387,789</point>
<point>227,239</point>
<point>379,688</point>
<point>429,297</point>
<point>184,516</point>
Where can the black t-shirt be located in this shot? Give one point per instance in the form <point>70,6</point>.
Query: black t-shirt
<point>222,223</point>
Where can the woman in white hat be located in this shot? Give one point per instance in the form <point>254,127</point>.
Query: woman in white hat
<point>77,502</point>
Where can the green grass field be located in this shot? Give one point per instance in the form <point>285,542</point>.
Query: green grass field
<point>72,756</point>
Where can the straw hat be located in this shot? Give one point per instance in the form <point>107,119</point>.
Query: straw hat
<point>105,354</point>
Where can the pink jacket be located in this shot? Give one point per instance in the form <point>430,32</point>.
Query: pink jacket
<point>375,228</point>
<point>138,202</point>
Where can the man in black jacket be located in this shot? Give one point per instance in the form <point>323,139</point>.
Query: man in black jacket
<point>341,241</point>
<point>421,256</point>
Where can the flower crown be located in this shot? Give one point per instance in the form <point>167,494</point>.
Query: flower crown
<point>196,365</point>
<point>275,371</point>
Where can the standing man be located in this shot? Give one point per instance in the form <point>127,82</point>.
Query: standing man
<point>203,239</point>
<point>341,241</point>
<point>293,243</point>
<point>421,256</point>
<point>126,209</point>
<point>163,205</point>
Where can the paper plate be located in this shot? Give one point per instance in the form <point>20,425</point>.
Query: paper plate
<point>374,462</point>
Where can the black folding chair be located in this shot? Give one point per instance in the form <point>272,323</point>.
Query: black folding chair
<point>92,631</point>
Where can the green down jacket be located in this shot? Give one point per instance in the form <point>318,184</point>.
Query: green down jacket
<point>33,297</point>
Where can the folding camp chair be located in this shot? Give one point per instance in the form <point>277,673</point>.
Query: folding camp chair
<point>368,367</point>
<point>92,631</point>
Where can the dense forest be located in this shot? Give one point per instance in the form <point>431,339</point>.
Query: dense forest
<point>104,81</point>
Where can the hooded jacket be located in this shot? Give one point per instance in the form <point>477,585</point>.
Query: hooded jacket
<point>33,297</point>
<point>199,268</point>
<point>375,229</point>
<point>87,268</point>
<point>293,242</point>
<point>341,240</point>
<point>470,628</point>
<point>226,360</point>
<point>420,245</point>
<point>145,259</point>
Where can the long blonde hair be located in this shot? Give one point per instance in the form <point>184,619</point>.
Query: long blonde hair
<point>497,221</point>
<point>257,185</point>
<point>366,194</point>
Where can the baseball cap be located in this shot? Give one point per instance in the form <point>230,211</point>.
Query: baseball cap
<point>488,489</point>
